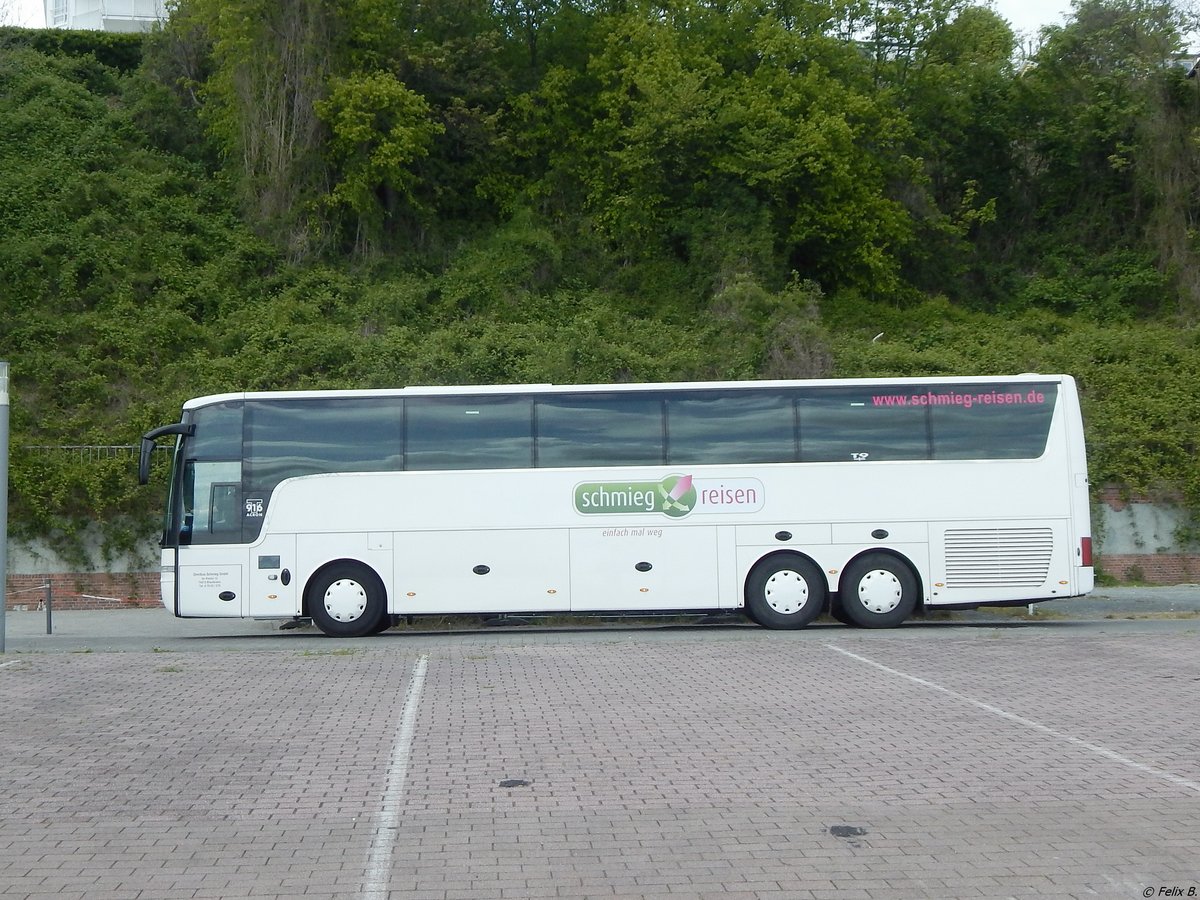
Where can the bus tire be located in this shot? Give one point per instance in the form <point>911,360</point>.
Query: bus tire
<point>347,600</point>
<point>785,591</point>
<point>877,590</point>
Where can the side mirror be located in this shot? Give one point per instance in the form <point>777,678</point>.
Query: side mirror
<point>147,448</point>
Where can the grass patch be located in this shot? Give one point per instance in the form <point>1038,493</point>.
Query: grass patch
<point>1022,612</point>
<point>1008,612</point>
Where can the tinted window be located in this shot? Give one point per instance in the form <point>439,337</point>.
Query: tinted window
<point>218,432</point>
<point>286,438</point>
<point>853,424</point>
<point>211,502</point>
<point>993,422</point>
<point>212,476</point>
<point>469,433</point>
<point>741,427</point>
<point>600,431</point>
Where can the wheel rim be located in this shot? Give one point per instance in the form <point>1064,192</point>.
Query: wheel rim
<point>345,600</point>
<point>786,592</point>
<point>880,591</point>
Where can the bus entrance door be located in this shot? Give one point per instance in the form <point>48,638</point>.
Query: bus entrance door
<point>209,584</point>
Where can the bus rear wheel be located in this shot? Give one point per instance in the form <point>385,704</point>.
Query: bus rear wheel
<point>347,600</point>
<point>785,592</point>
<point>877,591</point>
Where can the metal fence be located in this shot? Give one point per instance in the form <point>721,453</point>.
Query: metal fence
<point>90,453</point>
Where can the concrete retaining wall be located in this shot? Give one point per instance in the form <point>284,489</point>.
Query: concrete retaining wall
<point>1137,541</point>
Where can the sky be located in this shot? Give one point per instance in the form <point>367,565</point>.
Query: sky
<point>30,13</point>
<point>1027,16</point>
<point>1024,15</point>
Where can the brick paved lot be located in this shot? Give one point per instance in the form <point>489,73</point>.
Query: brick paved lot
<point>924,762</point>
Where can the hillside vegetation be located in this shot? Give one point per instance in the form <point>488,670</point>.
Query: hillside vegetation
<point>363,193</point>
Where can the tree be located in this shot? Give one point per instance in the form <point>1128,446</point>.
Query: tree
<point>957,95</point>
<point>271,61</point>
<point>378,129</point>
<point>1107,147</point>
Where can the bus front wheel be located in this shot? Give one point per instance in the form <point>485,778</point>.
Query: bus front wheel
<point>785,592</point>
<point>877,591</point>
<point>347,600</point>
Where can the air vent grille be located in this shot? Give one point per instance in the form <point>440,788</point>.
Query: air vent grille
<point>998,557</point>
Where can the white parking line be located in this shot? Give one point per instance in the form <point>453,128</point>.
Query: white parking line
<point>1104,752</point>
<point>379,865</point>
<point>10,663</point>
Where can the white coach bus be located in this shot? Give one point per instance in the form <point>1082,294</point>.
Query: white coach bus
<point>868,499</point>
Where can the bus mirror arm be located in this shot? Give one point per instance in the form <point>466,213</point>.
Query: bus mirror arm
<point>148,440</point>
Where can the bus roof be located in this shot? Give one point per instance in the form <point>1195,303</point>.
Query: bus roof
<point>533,389</point>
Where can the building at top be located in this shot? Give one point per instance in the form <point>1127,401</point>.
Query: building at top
<point>105,15</point>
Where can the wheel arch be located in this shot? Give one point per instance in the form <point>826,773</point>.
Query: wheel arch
<point>317,573</point>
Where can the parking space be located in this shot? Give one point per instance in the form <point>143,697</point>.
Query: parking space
<point>943,760</point>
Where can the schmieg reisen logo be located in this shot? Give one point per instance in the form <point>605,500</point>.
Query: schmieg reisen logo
<point>675,496</point>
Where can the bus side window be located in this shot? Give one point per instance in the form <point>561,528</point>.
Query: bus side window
<point>1013,424</point>
<point>469,433</point>
<point>731,428</point>
<point>845,426</point>
<point>286,438</point>
<point>598,430</point>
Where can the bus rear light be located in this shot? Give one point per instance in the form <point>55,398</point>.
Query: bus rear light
<point>1085,547</point>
